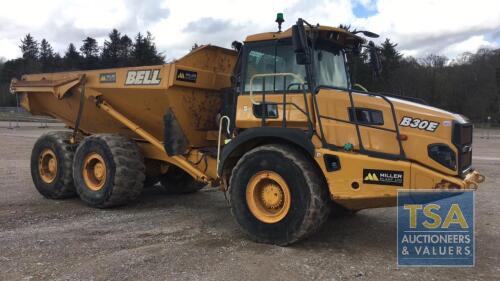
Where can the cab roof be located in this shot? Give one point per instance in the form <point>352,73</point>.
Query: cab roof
<point>339,35</point>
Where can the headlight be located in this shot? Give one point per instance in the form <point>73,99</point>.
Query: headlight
<point>443,154</point>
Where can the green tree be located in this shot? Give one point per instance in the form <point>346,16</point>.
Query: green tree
<point>390,59</point>
<point>117,51</point>
<point>125,51</point>
<point>29,48</point>
<point>390,55</point>
<point>90,53</point>
<point>72,59</point>
<point>8,70</point>
<point>111,49</point>
<point>145,52</point>
<point>47,56</point>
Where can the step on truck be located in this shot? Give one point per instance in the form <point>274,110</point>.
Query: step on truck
<point>277,124</point>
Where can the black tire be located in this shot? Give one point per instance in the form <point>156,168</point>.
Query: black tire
<point>61,186</point>
<point>177,181</point>
<point>309,195</point>
<point>124,167</point>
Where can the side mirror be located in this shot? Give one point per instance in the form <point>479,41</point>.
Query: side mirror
<point>374,58</point>
<point>300,44</point>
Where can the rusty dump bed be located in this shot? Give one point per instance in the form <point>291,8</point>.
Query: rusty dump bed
<point>189,89</point>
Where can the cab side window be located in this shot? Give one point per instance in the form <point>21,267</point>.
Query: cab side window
<point>276,58</point>
<point>260,60</point>
<point>285,63</point>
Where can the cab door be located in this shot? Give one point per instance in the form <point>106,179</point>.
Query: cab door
<point>277,99</point>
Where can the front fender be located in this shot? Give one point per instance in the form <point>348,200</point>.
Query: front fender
<point>253,137</point>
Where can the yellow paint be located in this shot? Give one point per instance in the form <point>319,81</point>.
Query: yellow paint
<point>436,219</point>
<point>136,110</point>
<point>268,197</point>
<point>344,38</point>
<point>47,165</point>
<point>413,208</point>
<point>94,171</point>
<point>455,215</point>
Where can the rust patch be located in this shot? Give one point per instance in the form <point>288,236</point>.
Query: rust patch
<point>203,106</point>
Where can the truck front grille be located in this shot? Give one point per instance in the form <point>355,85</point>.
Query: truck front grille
<point>462,139</point>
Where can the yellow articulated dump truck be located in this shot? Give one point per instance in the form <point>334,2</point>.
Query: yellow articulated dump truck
<point>277,124</point>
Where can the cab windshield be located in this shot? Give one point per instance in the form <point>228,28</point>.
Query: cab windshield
<point>330,68</point>
<point>280,58</point>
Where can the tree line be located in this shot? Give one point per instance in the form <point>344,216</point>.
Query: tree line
<point>39,57</point>
<point>469,84</point>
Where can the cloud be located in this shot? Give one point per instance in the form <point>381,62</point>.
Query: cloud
<point>62,22</point>
<point>418,26</point>
<point>205,25</point>
<point>471,44</point>
<point>427,26</point>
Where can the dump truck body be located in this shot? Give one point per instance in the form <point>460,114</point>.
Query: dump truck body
<point>278,125</point>
<point>152,90</point>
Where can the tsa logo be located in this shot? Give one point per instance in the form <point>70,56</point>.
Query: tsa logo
<point>435,228</point>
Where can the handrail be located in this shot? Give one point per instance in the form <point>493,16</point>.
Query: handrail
<point>220,135</point>
<point>286,88</point>
<point>393,111</point>
<point>271,75</point>
<point>349,91</point>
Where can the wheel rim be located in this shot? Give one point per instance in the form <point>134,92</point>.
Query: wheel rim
<point>268,197</point>
<point>47,165</point>
<point>94,171</point>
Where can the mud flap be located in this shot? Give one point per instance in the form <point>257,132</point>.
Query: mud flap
<point>175,141</point>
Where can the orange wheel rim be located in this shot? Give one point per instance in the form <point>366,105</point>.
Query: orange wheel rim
<point>268,197</point>
<point>47,165</point>
<point>94,171</point>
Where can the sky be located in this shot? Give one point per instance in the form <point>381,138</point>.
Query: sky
<point>420,27</point>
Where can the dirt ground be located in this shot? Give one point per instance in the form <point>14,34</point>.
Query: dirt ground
<point>193,237</point>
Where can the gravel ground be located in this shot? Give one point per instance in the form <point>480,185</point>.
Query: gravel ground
<point>194,237</point>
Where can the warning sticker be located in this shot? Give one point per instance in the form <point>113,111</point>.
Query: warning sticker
<point>383,177</point>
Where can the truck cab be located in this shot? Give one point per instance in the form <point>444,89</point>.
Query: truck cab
<point>294,87</point>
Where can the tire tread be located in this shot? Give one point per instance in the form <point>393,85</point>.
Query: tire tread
<point>318,211</point>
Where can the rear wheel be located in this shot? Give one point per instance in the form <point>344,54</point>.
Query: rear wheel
<point>108,170</point>
<point>177,181</point>
<point>51,165</point>
<point>277,196</point>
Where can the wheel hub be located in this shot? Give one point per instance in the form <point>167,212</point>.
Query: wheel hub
<point>272,196</point>
<point>99,171</point>
<point>268,197</point>
<point>94,171</point>
<point>47,165</point>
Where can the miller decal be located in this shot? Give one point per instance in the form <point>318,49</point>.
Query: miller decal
<point>143,77</point>
<point>419,124</point>
<point>186,76</point>
<point>383,177</point>
<point>107,77</point>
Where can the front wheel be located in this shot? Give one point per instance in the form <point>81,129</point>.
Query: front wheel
<point>277,196</point>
